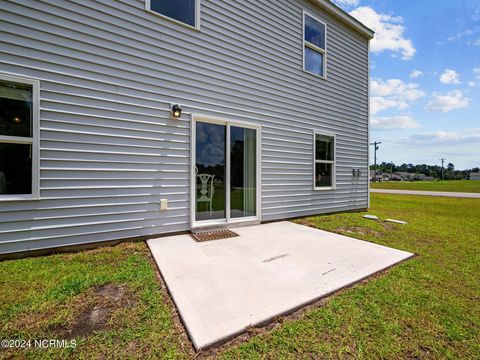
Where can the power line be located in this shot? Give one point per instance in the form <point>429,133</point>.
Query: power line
<point>442,160</point>
<point>375,148</point>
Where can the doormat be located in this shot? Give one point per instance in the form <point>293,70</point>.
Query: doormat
<point>213,235</point>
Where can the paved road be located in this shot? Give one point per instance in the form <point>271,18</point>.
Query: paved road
<point>428,193</point>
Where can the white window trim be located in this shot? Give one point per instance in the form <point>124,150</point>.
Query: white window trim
<point>334,162</point>
<point>314,47</point>
<point>34,140</point>
<point>197,15</point>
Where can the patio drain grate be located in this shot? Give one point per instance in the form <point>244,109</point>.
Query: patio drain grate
<point>213,235</point>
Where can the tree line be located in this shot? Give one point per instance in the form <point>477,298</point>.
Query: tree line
<point>449,172</point>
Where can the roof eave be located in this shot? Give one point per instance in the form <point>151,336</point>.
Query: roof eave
<point>344,17</point>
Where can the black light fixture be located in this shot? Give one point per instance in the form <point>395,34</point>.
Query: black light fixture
<point>176,111</point>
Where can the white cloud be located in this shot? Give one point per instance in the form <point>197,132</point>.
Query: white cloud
<point>450,76</point>
<point>396,87</point>
<point>465,36</point>
<point>416,74</point>
<point>347,3</point>
<point>465,136</point>
<point>476,72</point>
<point>459,35</point>
<point>394,122</point>
<point>389,32</point>
<point>450,101</point>
<point>475,42</point>
<point>460,147</point>
<point>392,93</point>
<point>378,104</point>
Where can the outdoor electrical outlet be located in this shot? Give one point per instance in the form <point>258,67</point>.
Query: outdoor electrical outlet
<point>163,204</point>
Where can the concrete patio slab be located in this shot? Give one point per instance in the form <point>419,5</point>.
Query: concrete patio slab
<point>223,287</point>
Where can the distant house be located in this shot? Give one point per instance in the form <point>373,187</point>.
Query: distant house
<point>422,177</point>
<point>377,175</point>
<point>404,176</point>
<point>396,177</point>
<point>380,176</point>
<point>475,175</point>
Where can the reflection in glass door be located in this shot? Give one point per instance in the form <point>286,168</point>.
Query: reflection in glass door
<point>243,174</point>
<point>210,198</point>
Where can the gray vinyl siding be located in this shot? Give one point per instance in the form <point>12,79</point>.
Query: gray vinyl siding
<point>108,147</point>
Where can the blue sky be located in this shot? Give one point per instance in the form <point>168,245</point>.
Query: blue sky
<point>425,79</point>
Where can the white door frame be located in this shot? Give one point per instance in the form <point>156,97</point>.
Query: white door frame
<point>193,180</point>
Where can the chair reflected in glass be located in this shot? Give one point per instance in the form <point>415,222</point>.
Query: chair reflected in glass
<point>207,190</point>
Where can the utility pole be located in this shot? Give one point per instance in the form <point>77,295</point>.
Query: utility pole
<point>391,170</point>
<point>375,148</point>
<point>442,160</point>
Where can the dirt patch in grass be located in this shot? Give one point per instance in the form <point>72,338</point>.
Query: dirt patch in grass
<point>389,226</point>
<point>114,292</point>
<point>305,222</point>
<point>90,322</point>
<point>110,298</point>
<point>82,316</point>
<point>358,230</point>
<point>352,230</point>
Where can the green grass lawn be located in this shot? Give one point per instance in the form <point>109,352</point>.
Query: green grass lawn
<point>471,186</point>
<point>427,307</point>
<point>46,297</point>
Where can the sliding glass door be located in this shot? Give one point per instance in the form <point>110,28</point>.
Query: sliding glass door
<point>243,174</point>
<point>210,171</point>
<point>225,172</point>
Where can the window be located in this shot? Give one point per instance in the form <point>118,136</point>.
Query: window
<point>186,12</point>
<point>18,138</point>
<point>314,45</point>
<point>324,166</point>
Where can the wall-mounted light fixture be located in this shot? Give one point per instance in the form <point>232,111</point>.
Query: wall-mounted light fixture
<point>176,110</point>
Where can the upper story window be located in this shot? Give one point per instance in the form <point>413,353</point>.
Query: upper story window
<point>324,162</point>
<point>186,12</point>
<point>314,45</point>
<point>18,138</point>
